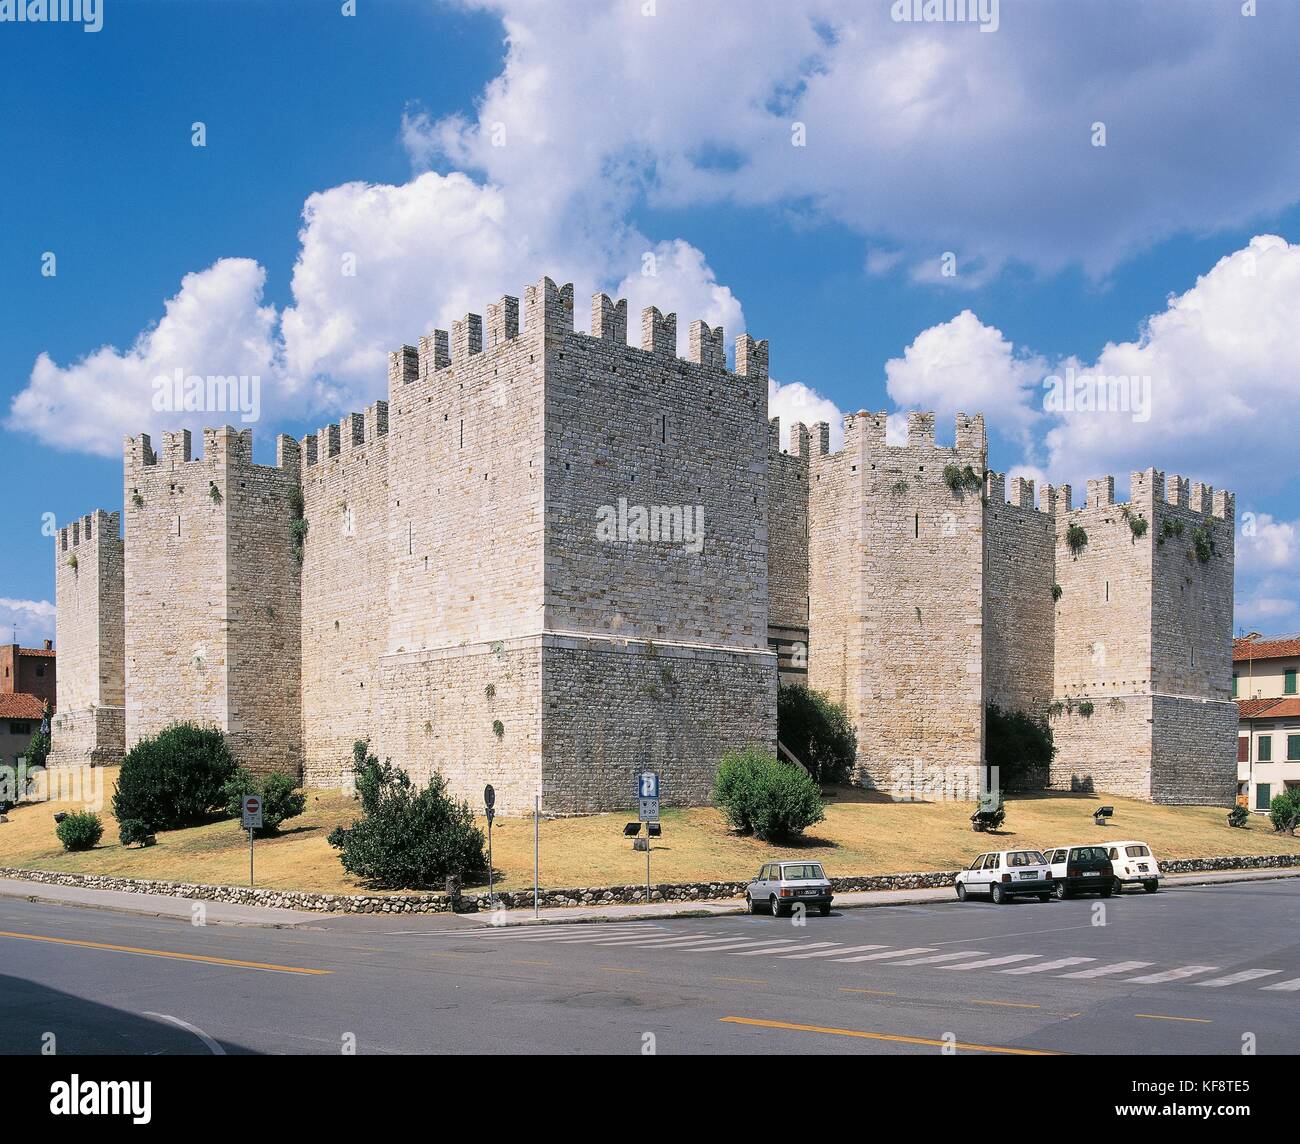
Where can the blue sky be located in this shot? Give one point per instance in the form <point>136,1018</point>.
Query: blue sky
<point>457,151</point>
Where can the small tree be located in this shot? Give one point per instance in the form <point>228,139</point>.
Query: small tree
<point>1019,745</point>
<point>38,749</point>
<point>281,798</point>
<point>763,796</point>
<point>1238,816</point>
<point>80,831</point>
<point>816,731</point>
<point>1284,811</point>
<point>407,837</point>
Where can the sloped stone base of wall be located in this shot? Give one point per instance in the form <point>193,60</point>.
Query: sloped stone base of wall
<point>94,737</point>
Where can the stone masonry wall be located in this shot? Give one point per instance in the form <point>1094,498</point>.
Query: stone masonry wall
<point>1019,612</point>
<point>345,580</point>
<point>89,725</point>
<point>897,581</point>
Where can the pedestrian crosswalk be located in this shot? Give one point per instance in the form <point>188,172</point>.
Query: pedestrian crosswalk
<point>655,937</point>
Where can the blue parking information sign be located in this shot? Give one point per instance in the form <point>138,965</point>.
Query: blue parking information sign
<point>647,785</point>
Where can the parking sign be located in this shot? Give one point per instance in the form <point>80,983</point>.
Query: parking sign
<point>648,785</point>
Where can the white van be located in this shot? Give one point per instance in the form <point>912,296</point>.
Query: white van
<point>1133,865</point>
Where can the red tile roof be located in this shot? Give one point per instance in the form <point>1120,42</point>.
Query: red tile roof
<point>19,705</point>
<point>1288,708</point>
<point>48,651</point>
<point>1248,649</point>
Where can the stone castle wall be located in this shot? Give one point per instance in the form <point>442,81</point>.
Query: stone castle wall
<point>89,725</point>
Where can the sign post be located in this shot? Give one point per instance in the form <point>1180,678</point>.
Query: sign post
<point>537,807</point>
<point>647,792</point>
<point>252,820</point>
<point>489,804</point>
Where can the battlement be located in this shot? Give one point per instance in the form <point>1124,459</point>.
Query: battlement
<point>352,434</point>
<point>1150,487</point>
<point>868,430</point>
<point>804,444</point>
<point>225,445</point>
<point>90,529</point>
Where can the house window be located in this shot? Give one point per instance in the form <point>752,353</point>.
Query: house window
<point>20,728</point>
<point>40,671</point>
<point>1243,749</point>
<point>1293,748</point>
<point>1262,798</point>
<point>1288,684</point>
<point>1264,751</point>
<point>1234,685</point>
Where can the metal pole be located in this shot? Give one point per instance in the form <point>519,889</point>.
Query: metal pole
<point>250,857</point>
<point>537,806</point>
<point>491,892</point>
<point>648,842</point>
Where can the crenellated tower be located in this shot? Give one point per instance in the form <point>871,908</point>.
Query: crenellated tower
<point>89,725</point>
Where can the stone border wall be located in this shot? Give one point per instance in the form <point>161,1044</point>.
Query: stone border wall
<point>550,899</point>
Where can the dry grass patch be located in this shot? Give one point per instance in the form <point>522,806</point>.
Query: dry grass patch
<point>863,833</point>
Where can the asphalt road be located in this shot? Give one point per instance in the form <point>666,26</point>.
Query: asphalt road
<point>1188,970</point>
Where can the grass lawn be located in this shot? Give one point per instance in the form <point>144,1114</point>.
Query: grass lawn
<point>863,833</point>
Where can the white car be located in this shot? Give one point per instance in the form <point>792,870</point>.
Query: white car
<point>779,885</point>
<point>1133,864</point>
<point>1006,874</point>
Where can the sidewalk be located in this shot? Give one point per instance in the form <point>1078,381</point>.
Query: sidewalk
<point>219,913</point>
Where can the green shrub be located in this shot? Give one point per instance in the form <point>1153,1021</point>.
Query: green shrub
<point>763,796</point>
<point>80,830</point>
<point>1203,546</point>
<point>408,838</point>
<point>957,478</point>
<point>38,749</point>
<point>1076,537</point>
<point>174,779</point>
<point>281,798</point>
<point>990,818</point>
<point>1086,708</point>
<point>133,832</point>
<point>1238,815</point>
<point>1284,811</point>
<point>816,731</point>
<point>1019,745</point>
<point>1057,591</point>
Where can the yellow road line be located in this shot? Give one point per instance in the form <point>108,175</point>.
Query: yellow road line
<point>743,980</point>
<point>530,963</point>
<point>619,969</point>
<point>1163,1017</point>
<point>166,953</point>
<point>1008,1004</point>
<point>877,992</point>
<point>887,1037</point>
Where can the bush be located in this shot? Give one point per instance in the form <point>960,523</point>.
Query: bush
<point>1238,815</point>
<point>174,779</point>
<point>408,838</point>
<point>991,818</point>
<point>763,796</point>
<point>816,731</point>
<point>1284,811</point>
<point>80,831</point>
<point>1019,746</point>
<point>39,747</point>
<point>133,832</point>
<point>281,798</point>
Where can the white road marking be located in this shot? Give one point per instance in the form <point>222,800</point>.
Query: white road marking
<point>1172,974</point>
<point>1059,963</point>
<point>1285,986</point>
<point>215,1049</point>
<point>888,953</point>
<point>1106,970</point>
<point>938,958</point>
<point>1233,978</point>
<point>988,961</point>
<point>769,949</point>
<point>833,952</point>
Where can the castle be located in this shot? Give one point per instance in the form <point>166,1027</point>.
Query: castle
<point>550,560</point>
